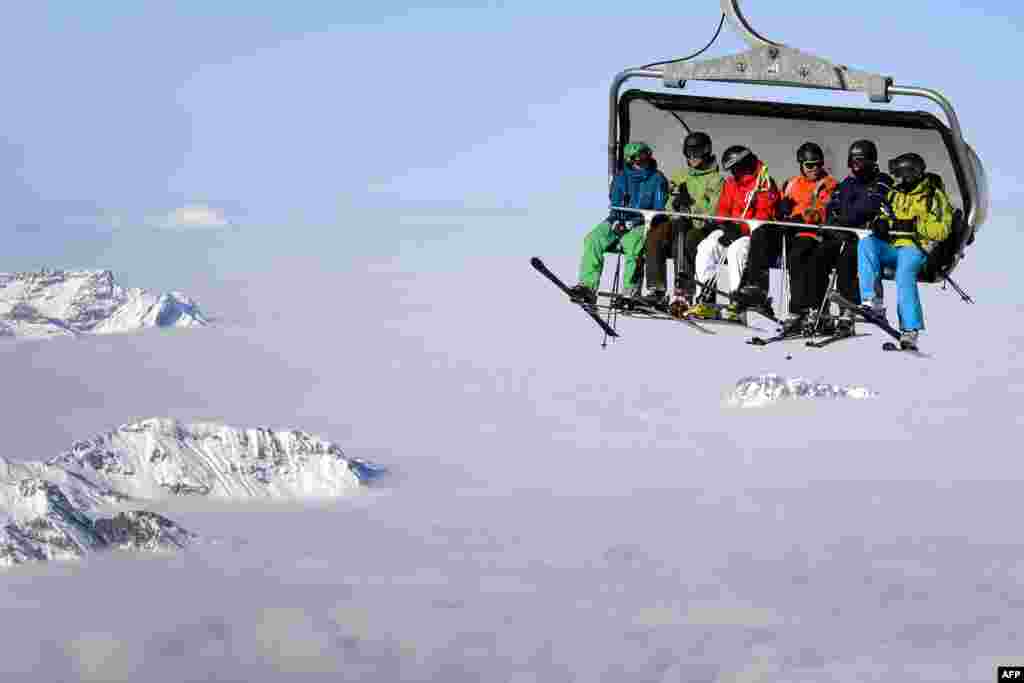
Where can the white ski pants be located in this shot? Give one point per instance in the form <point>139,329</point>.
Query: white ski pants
<point>710,254</point>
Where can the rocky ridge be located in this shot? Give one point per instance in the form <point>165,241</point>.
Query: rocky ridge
<point>88,498</point>
<point>49,303</point>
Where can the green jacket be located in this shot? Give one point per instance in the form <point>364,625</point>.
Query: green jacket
<point>928,206</point>
<point>703,186</point>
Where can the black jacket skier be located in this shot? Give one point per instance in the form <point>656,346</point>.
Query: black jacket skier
<point>854,204</point>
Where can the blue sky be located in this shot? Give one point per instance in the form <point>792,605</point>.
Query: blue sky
<point>317,116</point>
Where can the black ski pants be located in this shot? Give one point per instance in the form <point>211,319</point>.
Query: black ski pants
<point>810,263</point>
<point>661,242</point>
<point>688,236</point>
<point>765,251</point>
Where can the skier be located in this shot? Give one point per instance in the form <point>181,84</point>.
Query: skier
<point>855,204</point>
<point>916,216</point>
<point>694,189</point>
<point>640,186</point>
<point>804,200</point>
<point>750,192</point>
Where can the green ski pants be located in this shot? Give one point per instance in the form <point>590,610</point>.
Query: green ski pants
<point>601,240</point>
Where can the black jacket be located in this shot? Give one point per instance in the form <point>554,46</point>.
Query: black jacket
<point>857,201</point>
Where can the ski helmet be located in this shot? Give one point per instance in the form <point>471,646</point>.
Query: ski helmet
<point>735,155</point>
<point>697,145</point>
<point>907,169</point>
<point>809,151</point>
<point>863,149</point>
<point>634,149</point>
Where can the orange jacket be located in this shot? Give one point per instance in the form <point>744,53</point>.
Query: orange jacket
<point>750,196</point>
<point>810,198</point>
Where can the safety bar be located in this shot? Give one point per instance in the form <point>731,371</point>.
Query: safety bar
<point>959,145</point>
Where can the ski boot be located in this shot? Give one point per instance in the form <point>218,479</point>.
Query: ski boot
<point>793,325</point>
<point>756,300</point>
<point>680,304</point>
<point>704,311</point>
<point>908,340</point>
<point>655,299</point>
<point>753,296</point>
<point>845,323</point>
<point>581,294</point>
<point>819,325</point>
<point>873,308</point>
<point>624,303</point>
<point>735,313</point>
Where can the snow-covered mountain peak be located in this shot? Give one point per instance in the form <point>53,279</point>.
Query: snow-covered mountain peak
<point>157,457</point>
<point>78,501</point>
<point>759,390</point>
<point>52,516</point>
<point>69,302</point>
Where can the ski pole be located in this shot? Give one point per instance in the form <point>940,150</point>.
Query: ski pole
<point>613,314</point>
<point>832,280</point>
<point>964,296</point>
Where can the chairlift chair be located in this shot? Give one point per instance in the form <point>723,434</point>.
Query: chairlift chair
<point>663,118</point>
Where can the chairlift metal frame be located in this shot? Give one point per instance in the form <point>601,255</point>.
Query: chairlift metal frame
<point>775,64</point>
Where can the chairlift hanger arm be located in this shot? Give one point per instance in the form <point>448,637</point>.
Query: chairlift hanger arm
<point>732,12</point>
<point>770,63</point>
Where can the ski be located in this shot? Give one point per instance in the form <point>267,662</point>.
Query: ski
<point>764,310</point>
<point>831,339</point>
<point>764,341</point>
<point>539,266</point>
<point>866,313</point>
<point>641,311</point>
<point>889,346</point>
<point>878,321</point>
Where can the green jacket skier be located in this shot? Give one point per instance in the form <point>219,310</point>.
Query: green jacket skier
<point>695,189</point>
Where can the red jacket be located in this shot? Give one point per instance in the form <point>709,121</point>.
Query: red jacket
<point>750,196</point>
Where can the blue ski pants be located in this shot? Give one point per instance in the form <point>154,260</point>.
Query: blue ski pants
<point>873,255</point>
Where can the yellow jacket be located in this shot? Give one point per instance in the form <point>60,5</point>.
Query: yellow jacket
<point>928,206</point>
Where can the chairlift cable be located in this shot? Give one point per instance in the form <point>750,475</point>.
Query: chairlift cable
<point>680,120</point>
<point>704,49</point>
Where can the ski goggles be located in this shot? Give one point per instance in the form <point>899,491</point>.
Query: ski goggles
<point>639,156</point>
<point>905,172</point>
<point>698,152</point>
<point>907,176</point>
<point>859,163</point>
<point>811,165</point>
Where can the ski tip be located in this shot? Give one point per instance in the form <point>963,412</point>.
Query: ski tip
<point>536,262</point>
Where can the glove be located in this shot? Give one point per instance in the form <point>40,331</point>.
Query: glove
<point>880,229</point>
<point>833,212</point>
<point>730,233</point>
<point>879,190</point>
<point>784,208</point>
<point>904,225</point>
<point>682,201</point>
<point>813,216</point>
